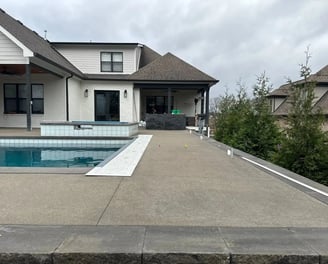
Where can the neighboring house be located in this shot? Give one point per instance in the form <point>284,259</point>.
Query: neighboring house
<point>91,81</point>
<point>280,103</point>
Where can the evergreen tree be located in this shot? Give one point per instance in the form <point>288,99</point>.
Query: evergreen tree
<point>248,124</point>
<point>304,149</point>
<point>263,135</point>
<point>231,118</point>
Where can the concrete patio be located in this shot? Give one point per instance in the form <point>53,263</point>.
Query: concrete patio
<point>180,182</point>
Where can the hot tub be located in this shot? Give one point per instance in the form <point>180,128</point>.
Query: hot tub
<point>89,129</point>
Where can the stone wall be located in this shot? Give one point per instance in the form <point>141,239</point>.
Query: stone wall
<point>165,122</point>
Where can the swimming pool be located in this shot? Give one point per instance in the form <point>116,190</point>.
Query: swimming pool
<point>59,153</point>
<point>54,157</point>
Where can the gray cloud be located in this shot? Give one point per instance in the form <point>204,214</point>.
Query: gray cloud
<point>229,39</point>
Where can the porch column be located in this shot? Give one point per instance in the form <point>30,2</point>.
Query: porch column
<point>207,106</point>
<point>202,103</point>
<point>28,98</point>
<point>169,100</point>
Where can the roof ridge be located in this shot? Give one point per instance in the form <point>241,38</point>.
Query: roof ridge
<point>169,67</point>
<point>40,47</point>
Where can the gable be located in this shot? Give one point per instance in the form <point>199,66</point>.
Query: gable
<point>10,53</point>
<point>32,44</point>
<point>86,57</point>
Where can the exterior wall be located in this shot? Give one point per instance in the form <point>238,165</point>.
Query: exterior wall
<point>325,125</point>
<point>87,106</point>
<point>282,123</point>
<point>87,59</point>
<point>54,101</point>
<point>10,53</point>
<point>136,104</point>
<point>75,95</point>
<point>275,102</point>
<point>319,91</point>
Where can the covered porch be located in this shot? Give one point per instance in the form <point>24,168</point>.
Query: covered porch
<point>170,86</point>
<point>186,100</point>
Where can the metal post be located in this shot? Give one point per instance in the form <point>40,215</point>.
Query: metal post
<point>207,106</point>
<point>169,100</point>
<point>202,103</point>
<point>28,98</point>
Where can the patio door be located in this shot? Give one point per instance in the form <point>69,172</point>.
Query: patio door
<point>107,106</point>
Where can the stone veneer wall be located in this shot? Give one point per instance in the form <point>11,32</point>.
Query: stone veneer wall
<point>165,121</point>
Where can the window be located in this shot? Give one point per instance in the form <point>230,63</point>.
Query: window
<point>111,61</point>
<point>15,98</point>
<point>157,104</point>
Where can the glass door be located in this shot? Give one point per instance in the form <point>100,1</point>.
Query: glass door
<point>107,106</point>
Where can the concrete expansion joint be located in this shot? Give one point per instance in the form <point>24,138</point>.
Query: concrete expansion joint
<point>162,244</point>
<point>109,202</point>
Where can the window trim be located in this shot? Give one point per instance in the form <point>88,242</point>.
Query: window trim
<point>111,62</point>
<point>17,99</point>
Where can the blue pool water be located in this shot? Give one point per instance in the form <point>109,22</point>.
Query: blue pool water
<point>53,157</point>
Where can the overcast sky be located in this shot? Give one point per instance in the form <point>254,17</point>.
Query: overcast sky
<point>232,40</point>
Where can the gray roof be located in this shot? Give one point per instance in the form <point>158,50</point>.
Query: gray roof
<point>40,47</point>
<point>282,91</point>
<point>147,56</point>
<point>173,69</point>
<point>321,105</point>
<point>152,66</point>
<point>319,77</point>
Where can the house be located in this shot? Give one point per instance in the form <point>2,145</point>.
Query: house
<point>280,104</point>
<point>72,81</point>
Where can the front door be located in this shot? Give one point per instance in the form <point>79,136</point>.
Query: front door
<point>107,105</point>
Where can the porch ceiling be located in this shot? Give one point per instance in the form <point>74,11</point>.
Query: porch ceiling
<point>18,69</point>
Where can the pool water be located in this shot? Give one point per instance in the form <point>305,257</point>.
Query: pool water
<point>53,157</point>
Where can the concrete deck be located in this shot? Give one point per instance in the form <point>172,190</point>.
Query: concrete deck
<point>181,181</point>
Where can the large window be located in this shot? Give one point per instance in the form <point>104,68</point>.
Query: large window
<point>111,61</point>
<point>15,98</point>
<point>157,104</point>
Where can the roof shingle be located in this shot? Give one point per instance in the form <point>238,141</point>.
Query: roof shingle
<point>171,68</point>
<point>40,47</point>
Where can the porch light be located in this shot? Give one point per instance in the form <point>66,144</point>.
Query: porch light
<point>86,93</point>
<point>125,93</point>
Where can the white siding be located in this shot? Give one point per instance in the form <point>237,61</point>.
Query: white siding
<point>87,59</point>
<point>87,107</point>
<point>136,104</point>
<point>54,101</point>
<point>75,96</point>
<point>10,53</point>
<point>319,92</point>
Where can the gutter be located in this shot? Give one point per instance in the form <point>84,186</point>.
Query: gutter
<point>66,91</point>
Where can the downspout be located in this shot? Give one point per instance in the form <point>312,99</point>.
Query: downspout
<point>67,103</point>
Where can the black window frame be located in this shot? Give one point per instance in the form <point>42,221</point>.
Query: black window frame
<point>112,63</point>
<point>18,100</point>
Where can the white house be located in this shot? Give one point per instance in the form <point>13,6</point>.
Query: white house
<point>67,81</point>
